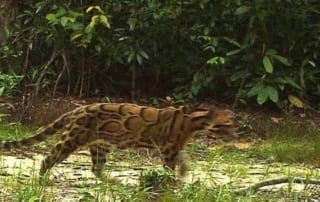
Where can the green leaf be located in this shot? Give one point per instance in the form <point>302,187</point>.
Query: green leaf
<point>61,12</point>
<point>139,59</point>
<point>75,36</point>
<point>90,8</point>
<point>40,6</point>
<point>239,75</point>
<point>312,63</point>
<point>281,59</point>
<point>262,96</point>
<point>233,52</point>
<point>255,89</point>
<point>216,60</point>
<point>144,54</point>
<point>195,88</point>
<point>7,33</point>
<point>244,46</point>
<point>232,41</point>
<point>51,17</point>
<point>104,21</point>
<point>97,48</point>
<point>267,64</point>
<point>272,93</point>
<point>293,83</point>
<point>34,198</point>
<point>271,52</point>
<point>130,57</point>
<point>132,24</point>
<point>295,101</point>
<point>241,10</point>
<point>1,90</point>
<point>64,21</point>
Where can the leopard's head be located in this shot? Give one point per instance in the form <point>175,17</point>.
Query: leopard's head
<point>215,123</point>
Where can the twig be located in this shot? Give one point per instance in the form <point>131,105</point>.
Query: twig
<point>257,186</point>
<point>46,66</point>
<point>68,74</point>
<point>65,64</point>
<point>82,73</point>
<point>26,62</point>
<point>236,100</point>
<point>133,82</point>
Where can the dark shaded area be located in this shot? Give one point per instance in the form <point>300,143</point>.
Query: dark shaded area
<point>232,51</point>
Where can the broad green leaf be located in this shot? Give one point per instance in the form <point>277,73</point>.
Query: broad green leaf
<point>123,38</point>
<point>262,96</point>
<point>99,9</point>
<point>312,63</point>
<point>51,17</point>
<point>95,20</point>
<point>1,90</point>
<point>244,46</point>
<point>75,14</point>
<point>132,23</point>
<point>139,59</point>
<point>7,33</point>
<point>267,64</point>
<point>255,89</point>
<point>75,36</point>
<point>195,88</point>
<point>281,59</point>
<point>232,41</point>
<point>88,28</point>
<point>281,87</point>
<point>76,26</point>
<point>213,60</point>
<point>295,101</point>
<point>64,21</point>
<point>272,94</point>
<point>271,52</point>
<point>239,75</point>
<point>104,21</point>
<point>293,83</point>
<point>97,48</point>
<point>243,9</point>
<point>90,8</point>
<point>40,6</point>
<point>130,57</point>
<point>233,52</point>
<point>33,199</point>
<point>144,54</point>
<point>61,12</point>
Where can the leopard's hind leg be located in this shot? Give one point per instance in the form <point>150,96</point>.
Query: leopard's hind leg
<point>63,149</point>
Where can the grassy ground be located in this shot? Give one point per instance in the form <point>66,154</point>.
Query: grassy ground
<point>292,149</point>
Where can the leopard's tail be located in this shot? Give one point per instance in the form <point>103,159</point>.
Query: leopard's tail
<point>49,131</point>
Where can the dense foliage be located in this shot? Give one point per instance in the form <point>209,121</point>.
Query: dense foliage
<point>266,51</point>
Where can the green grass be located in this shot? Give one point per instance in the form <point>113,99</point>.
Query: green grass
<point>13,131</point>
<point>294,141</point>
<point>292,149</point>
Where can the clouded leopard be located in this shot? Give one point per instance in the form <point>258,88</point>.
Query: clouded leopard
<point>101,126</point>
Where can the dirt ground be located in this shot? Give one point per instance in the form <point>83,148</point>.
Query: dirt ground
<point>69,179</point>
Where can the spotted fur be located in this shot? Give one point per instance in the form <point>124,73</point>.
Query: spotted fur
<point>101,126</point>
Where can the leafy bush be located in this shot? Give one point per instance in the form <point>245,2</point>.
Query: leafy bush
<point>234,50</point>
<point>9,84</point>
